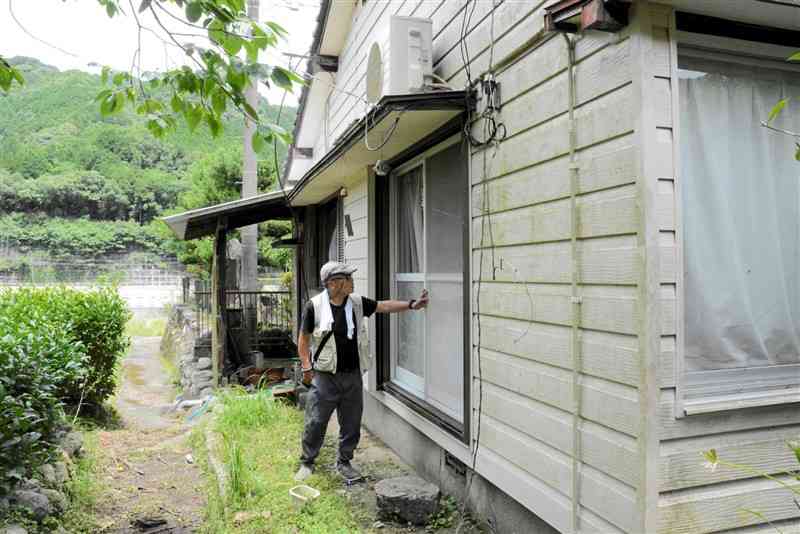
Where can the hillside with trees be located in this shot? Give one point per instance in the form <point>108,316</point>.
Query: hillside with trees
<point>77,185</point>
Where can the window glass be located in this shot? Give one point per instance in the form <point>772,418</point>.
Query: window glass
<point>445,202</point>
<point>741,213</point>
<point>429,225</point>
<point>409,369</point>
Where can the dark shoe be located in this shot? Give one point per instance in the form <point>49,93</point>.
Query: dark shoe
<point>305,471</point>
<point>348,472</point>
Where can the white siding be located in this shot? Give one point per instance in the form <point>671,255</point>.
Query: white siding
<point>694,499</point>
<point>528,434</point>
<point>525,311</point>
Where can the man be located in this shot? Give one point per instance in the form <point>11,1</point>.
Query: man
<point>333,348</point>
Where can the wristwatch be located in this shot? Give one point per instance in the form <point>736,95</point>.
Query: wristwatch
<point>411,304</point>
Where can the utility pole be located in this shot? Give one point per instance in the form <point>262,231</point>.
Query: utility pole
<point>249,234</point>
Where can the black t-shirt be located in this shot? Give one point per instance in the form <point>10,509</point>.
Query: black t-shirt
<point>346,349</point>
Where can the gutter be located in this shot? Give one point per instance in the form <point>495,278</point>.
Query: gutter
<point>319,31</point>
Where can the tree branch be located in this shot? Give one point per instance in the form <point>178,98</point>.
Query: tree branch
<point>187,23</point>
<point>781,130</point>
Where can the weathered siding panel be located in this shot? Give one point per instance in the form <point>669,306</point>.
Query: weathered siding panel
<point>522,195</point>
<point>712,509</point>
<point>694,499</point>
<point>522,253</point>
<point>356,247</point>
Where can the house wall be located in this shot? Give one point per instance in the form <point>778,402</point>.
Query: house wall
<point>522,228</point>
<point>694,499</point>
<point>524,378</point>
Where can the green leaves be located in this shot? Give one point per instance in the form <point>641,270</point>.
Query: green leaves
<point>285,79</point>
<point>194,11</point>
<point>279,133</point>
<point>258,142</point>
<point>794,57</point>
<point>794,445</point>
<point>193,114</point>
<point>9,75</point>
<point>216,79</point>
<point>112,102</point>
<point>112,7</point>
<point>776,109</point>
<point>263,138</point>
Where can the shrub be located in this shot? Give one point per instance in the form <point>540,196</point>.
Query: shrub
<point>91,322</point>
<point>30,412</point>
<point>42,345</point>
<point>99,322</point>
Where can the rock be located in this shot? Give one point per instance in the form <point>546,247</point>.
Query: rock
<point>30,484</point>
<point>61,472</point>
<point>4,506</point>
<point>57,500</point>
<point>203,364</point>
<point>72,443</point>
<point>202,376</point>
<point>410,498</point>
<point>14,529</point>
<point>48,473</point>
<point>37,503</point>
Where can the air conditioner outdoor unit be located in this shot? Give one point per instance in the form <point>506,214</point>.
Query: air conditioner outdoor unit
<point>403,62</point>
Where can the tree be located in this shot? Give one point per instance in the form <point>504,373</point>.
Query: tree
<point>222,68</point>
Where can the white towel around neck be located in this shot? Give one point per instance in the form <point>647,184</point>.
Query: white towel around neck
<point>326,315</point>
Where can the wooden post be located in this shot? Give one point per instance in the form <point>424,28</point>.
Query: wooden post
<point>218,301</point>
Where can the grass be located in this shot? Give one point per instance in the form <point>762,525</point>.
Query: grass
<point>84,488</point>
<point>146,327</point>
<point>171,369</point>
<point>260,448</point>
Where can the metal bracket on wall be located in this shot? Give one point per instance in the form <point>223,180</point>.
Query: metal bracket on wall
<point>579,15</point>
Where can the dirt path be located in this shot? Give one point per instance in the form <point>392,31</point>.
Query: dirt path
<point>143,465</point>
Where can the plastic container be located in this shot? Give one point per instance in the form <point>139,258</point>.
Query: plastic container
<point>302,495</point>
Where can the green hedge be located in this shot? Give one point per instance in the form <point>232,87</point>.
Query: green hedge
<point>91,323</point>
<point>57,346</point>
<point>30,411</point>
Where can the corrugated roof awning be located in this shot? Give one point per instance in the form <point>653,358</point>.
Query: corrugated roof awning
<point>412,118</point>
<point>203,221</point>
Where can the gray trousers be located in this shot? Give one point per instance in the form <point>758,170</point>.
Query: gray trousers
<point>328,392</point>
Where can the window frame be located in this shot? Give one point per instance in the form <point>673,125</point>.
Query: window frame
<point>702,392</point>
<point>385,270</point>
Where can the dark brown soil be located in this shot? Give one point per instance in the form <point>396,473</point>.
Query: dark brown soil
<point>143,466</point>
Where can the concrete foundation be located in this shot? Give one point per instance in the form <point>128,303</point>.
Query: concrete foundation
<point>496,509</point>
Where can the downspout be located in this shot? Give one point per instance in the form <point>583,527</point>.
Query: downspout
<point>575,297</point>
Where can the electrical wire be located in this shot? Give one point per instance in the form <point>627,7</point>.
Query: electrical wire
<point>386,136</point>
<point>301,274</point>
<point>491,135</point>
<point>32,36</point>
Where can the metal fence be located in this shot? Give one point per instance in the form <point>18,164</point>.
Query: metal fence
<point>255,318</point>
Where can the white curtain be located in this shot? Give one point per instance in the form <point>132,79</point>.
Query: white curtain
<point>410,221</point>
<point>741,216</point>
<point>409,280</point>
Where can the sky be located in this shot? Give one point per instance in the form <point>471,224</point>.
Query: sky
<point>80,35</point>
